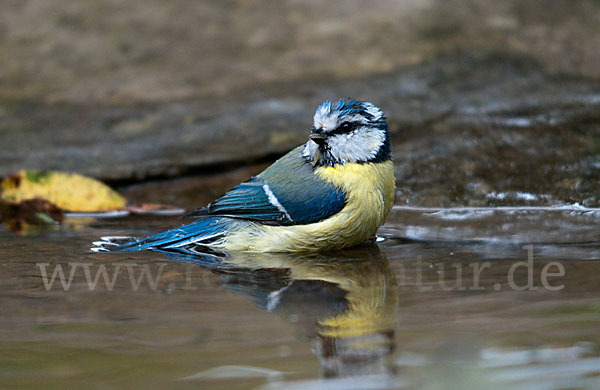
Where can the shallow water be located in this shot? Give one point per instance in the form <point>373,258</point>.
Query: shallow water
<point>438,302</point>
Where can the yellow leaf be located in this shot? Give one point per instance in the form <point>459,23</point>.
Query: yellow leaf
<point>68,191</point>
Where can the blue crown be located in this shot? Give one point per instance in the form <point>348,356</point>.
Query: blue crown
<point>346,107</point>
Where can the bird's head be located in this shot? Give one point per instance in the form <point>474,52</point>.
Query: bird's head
<point>349,131</point>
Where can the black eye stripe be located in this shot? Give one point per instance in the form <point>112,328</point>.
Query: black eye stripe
<point>344,128</point>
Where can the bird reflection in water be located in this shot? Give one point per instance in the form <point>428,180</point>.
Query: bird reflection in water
<point>344,302</point>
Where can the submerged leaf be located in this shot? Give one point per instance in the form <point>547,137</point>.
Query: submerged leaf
<point>25,217</point>
<point>68,191</point>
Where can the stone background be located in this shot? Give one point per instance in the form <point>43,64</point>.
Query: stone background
<point>487,100</point>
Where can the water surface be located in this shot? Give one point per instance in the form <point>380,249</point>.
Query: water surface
<point>433,304</point>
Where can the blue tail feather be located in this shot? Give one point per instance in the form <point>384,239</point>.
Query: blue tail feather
<point>201,231</point>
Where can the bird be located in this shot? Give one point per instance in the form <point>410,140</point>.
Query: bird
<point>330,193</point>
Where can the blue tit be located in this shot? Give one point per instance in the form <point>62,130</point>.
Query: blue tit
<point>331,193</point>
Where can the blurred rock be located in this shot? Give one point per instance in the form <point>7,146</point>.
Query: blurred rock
<point>483,98</point>
<point>134,143</point>
<point>103,51</point>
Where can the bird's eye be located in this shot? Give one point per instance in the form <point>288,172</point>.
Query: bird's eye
<point>344,127</point>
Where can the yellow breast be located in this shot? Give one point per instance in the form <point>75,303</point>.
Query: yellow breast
<point>369,189</point>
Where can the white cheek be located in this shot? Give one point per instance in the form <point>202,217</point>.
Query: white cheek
<point>360,146</point>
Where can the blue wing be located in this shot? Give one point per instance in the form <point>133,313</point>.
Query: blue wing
<point>247,200</point>
<point>286,193</point>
